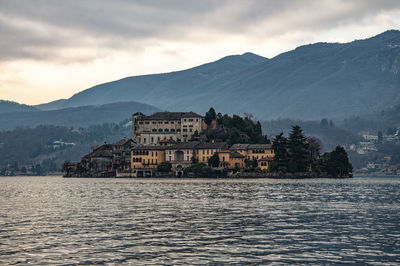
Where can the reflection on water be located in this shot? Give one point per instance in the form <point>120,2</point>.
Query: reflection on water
<point>54,220</point>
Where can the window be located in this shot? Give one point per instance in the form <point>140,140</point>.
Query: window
<point>144,140</point>
<point>147,122</point>
<point>184,120</point>
<point>140,123</point>
<point>172,129</point>
<point>170,158</point>
<point>190,120</point>
<point>152,139</point>
<point>166,130</point>
<point>172,122</point>
<point>190,130</point>
<point>178,130</point>
<point>197,120</point>
<point>152,154</point>
<point>166,122</point>
<point>160,130</point>
<point>154,130</point>
<point>160,122</point>
<point>184,130</point>
<point>190,125</point>
<point>154,122</point>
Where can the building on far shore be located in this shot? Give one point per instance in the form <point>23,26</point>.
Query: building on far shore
<point>175,126</point>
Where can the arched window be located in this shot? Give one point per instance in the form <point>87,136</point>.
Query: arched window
<point>160,130</point>
<point>154,130</point>
<point>166,130</point>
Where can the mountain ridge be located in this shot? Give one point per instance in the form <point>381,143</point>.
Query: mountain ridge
<point>310,82</point>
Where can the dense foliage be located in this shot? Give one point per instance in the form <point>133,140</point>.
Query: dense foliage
<point>233,129</point>
<point>299,154</point>
<point>164,167</point>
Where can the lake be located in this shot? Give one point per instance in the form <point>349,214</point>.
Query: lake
<point>53,220</point>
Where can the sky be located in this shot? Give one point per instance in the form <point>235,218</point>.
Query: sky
<point>52,49</point>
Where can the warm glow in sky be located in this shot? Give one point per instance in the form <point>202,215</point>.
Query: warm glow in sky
<point>53,49</point>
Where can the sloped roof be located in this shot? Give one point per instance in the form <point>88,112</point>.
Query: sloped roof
<point>170,116</point>
<point>148,147</point>
<point>183,145</point>
<point>102,151</point>
<point>250,146</point>
<point>212,145</point>
<point>236,155</point>
<point>123,142</point>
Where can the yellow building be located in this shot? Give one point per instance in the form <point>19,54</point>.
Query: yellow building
<point>147,157</point>
<point>262,153</point>
<point>203,151</point>
<point>230,159</point>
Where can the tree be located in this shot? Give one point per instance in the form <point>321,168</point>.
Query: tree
<point>210,116</point>
<point>314,149</point>
<point>336,163</point>
<point>331,124</point>
<point>213,161</point>
<point>164,167</point>
<point>281,158</point>
<point>324,123</point>
<point>298,151</point>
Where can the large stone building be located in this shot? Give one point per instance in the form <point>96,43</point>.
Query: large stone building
<point>176,126</point>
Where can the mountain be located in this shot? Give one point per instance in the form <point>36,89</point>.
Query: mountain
<point>310,82</point>
<point>83,116</point>
<point>158,89</point>
<point>8,107</point>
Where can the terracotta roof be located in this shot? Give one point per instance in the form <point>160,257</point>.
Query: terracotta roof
<point>170,116</point>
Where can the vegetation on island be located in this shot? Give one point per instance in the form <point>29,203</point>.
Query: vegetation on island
<point>298,154</point>
<point>232,129</point>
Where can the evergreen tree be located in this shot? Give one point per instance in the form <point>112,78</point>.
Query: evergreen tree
<point>298,147</point>
<point>213,161</point>
<point>336,163</point>
<point>210,116</point>
<point>281,158</point>
<point>164,167</point>
<point>324,123</point>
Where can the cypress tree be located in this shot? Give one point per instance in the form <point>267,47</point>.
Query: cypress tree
<point>281,158</point>
<point>298,147</point>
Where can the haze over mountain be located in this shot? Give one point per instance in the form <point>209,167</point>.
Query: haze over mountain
<point>82,116</point>
<point>9,106</point>
<point>310,82</point>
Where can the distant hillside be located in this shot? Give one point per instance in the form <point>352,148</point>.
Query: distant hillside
<point>158,89</point>
<point>8,107</point>
<point>78,117</point>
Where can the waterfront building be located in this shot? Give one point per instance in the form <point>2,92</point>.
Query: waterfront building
<point>145,159</point>
<point>99,162</point>
<point>262,153</point>
<point>203,151</point>
<point>176,126</point>
<point>181,155</point>
<point>122,155</point>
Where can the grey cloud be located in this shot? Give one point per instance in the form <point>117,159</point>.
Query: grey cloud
<point>113,24</point>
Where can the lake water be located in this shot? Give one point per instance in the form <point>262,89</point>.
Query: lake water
<point>52,220</point>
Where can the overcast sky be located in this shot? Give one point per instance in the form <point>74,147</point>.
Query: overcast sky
<point>51,49</point>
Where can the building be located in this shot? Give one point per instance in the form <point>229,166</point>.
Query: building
<point>203,151</point>
<point>145,159</point>
<point>262,153</point>
<point>181,155</point>
<point>231,159</point>
<point>98,163</point>
<point>176,126</point>
<point>122,155</point>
